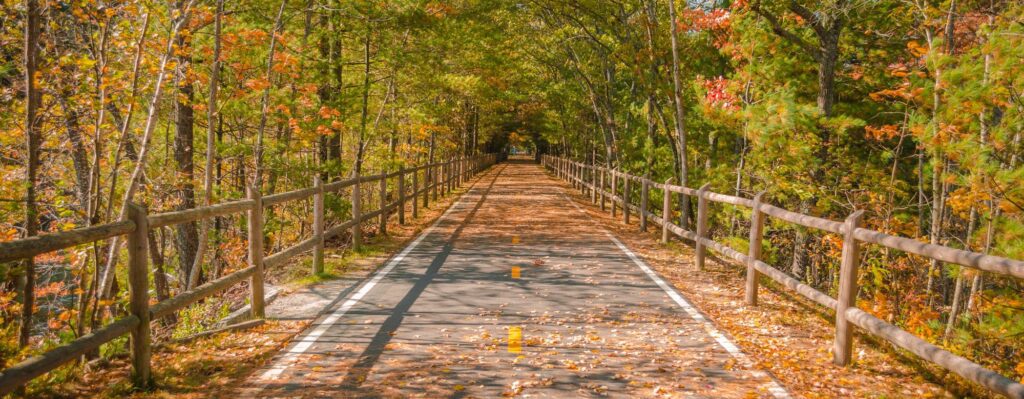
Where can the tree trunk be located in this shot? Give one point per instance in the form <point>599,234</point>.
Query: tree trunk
<point>363,118</point>
<point>257,180</point>
<point>156,256</point>
<point>958,287</point>
<point>79,157</point>
<point>828,27</point>
<point>211,150</point>
<point>136,177</point>
<point>33,140</point>
<point>938,158</point>
<point>186,235</point>
<point>330,48</point>
<point>680,118</point>
<point>827,57</point>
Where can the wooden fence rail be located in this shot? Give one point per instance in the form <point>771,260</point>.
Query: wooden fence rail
<point>847,315</point>
<point>137,225</point>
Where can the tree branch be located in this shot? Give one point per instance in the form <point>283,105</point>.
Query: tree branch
<point>809,16</point>
<point>785,34</point>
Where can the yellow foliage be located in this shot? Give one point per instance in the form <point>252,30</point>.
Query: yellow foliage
<point>916,49</point>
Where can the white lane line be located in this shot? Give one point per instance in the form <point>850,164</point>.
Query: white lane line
<point>303,344</point>
<point>772,386</point>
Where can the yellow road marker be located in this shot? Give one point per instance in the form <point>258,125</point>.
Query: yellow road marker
<point>515,239</point>
<point>515,272</point>
<point>515,339</point>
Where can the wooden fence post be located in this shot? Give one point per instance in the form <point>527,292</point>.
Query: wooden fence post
<point>434,178</point>
<point>583,178</point>
<point>574,174</point>
<point>318,225</point>
<point>580,172</point>
<point>426,187</point>
<point>593,184</point>
<point>600,192</point>
<point>843,350</point>
<point>570,174</point>
<point>256,253</point>
<point>644,196</point>
<point>401,195</point>
<point>138,286</point>
<point>754,249</point>
<point>625,198</point>
<point>578,176</point>
<point>415,195</point>
<point>357,216</point>
<point>666,210</point>
<point>614,187</point>
<point>702,224</point>
<point>383,229</point>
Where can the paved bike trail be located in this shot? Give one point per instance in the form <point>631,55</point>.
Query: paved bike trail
<point>513,292</point>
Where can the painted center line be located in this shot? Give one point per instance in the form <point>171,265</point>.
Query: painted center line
<point>515,339</point>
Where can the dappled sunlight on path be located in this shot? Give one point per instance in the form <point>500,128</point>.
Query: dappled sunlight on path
<point>438,323</point>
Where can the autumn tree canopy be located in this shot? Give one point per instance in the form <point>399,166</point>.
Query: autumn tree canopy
<point>909,109</point>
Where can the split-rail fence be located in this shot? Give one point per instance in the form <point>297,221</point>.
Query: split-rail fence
<point>428,181</point>
<point>606,185</point>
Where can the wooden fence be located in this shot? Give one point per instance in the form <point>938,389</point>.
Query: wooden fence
<point>428,181</point>
<point>597,181</point>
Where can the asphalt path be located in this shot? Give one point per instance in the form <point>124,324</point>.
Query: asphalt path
<point>514,291</point>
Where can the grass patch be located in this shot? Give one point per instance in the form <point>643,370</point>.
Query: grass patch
<point>337,263</point>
